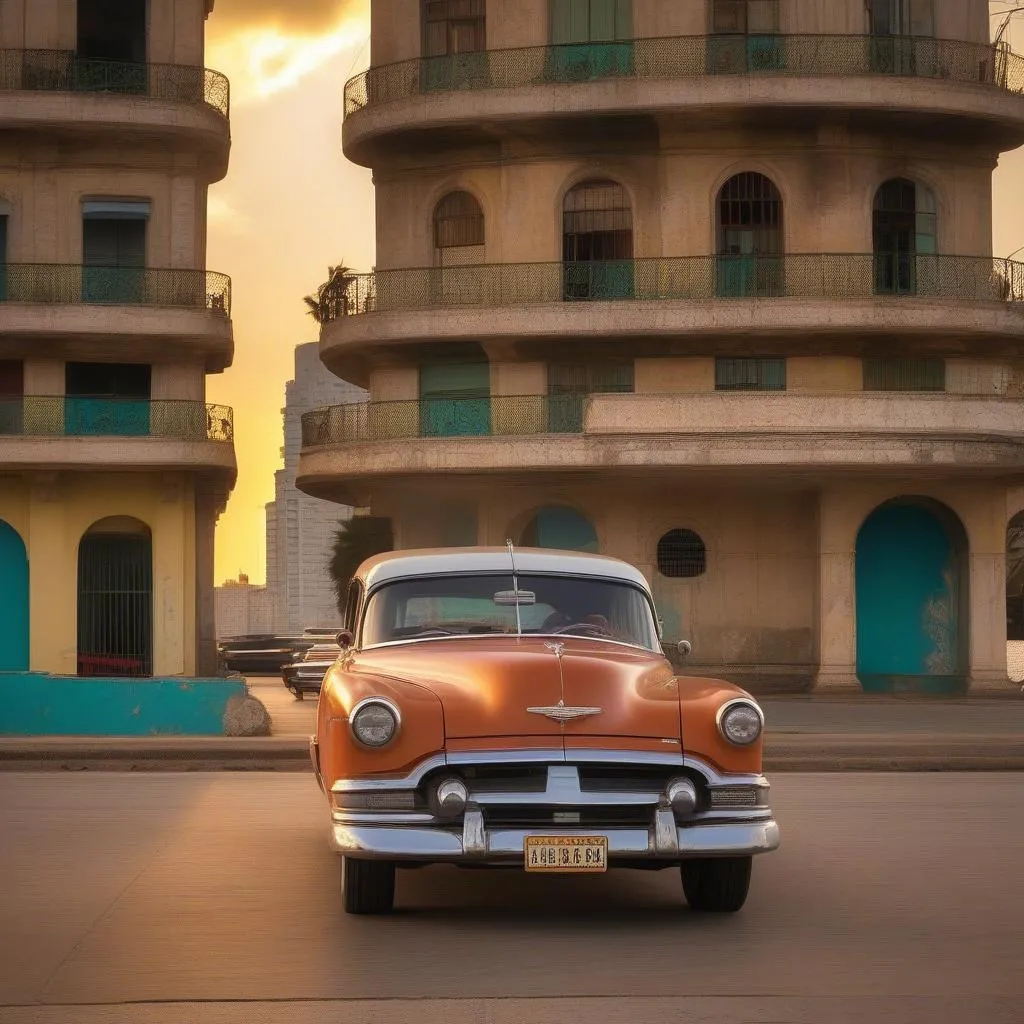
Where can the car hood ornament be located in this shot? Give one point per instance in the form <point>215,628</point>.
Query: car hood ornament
<point>560,713</point>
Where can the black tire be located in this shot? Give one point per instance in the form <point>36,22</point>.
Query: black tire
<point>716,885</point>
<point>367,886</point>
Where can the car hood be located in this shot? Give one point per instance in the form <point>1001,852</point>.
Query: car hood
<point>488,685</point>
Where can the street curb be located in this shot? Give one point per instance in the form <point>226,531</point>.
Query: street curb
<point>789,752</point>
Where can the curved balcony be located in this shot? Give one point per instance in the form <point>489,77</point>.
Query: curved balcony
<point>72,311</point>
<point>679,305</point>
<point>346,449</point>
<point>77,96</point>
<point>59,432</point>
<point>475,97</point>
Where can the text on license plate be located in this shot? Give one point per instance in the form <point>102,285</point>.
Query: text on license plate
<point>566,853</point>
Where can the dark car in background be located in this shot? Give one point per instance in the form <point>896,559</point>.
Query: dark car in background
<point>306,671</point>
<point>260,653</point>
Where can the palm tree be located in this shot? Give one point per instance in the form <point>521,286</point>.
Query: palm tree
<point>356,540</point>
<point>331,300</point>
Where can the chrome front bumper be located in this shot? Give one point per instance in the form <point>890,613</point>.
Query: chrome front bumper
<point>477,845</point>
<point>721,828</point>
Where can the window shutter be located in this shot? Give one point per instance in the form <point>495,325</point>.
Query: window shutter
<point>922,20</point>
<point>99,242</point>
<point>624,19</point>
<point>455,380</point>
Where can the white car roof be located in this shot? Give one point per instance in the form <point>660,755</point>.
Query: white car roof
<point>394,565</point>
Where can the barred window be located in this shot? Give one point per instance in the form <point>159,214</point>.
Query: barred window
<point>904,375</point>
<point>750,374</point>
<point>682,555</point>
<point>597,222</point>
<point>749,216</point>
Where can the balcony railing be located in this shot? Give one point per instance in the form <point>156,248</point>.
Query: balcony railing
<point>831,276</point>
<point>682,57</point>
<point>65,71</point>
<point>73,416</point>
<point>59,283</point>
<point>494,415</point>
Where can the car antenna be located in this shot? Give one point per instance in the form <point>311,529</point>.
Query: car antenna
<point>515,586</point>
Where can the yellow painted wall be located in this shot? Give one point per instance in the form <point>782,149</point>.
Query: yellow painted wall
<point>52,514</point>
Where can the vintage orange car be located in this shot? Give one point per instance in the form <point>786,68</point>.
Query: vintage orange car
<point>514,707</point>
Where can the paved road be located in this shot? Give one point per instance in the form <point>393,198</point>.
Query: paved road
<point>212,898</point>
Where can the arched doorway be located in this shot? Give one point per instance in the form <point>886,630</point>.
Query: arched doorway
<point>749,229</point>
<point>115,599</point>
<point>558,526</point>
<point>14,622</point>
<point>912,610</point>
<point>597,242</point>
<point>904,225</point>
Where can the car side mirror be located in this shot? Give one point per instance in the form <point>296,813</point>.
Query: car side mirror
<point>684,647</point>
<point>345,639</point>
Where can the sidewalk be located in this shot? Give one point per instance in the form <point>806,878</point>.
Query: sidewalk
<point>802,734</point>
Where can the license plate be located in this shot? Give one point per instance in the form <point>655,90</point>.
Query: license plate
<point>566,853</point>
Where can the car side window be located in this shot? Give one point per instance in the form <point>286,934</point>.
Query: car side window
<point>351,619</point>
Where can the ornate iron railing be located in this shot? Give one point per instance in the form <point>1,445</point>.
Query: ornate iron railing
<point>484,416</point>
<point>833,276</point>
<point>691,57</point>
<point>60,283</point>
<point>85,416</point>
<point>65,71</point>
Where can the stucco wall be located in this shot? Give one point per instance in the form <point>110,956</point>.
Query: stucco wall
<point>827,187</point>
<point>45,211</point>
<point>53,511</point>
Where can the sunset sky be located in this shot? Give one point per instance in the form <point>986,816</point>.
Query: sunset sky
<point>291,205</point>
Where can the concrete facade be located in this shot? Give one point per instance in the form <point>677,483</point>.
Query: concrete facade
<point>888,410</point>
<point>110,136</point>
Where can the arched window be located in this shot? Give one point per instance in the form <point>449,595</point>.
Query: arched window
<point>557,526</point>
<point>749,232</point>
<point>115,599</point>
<point>904,224</point>
<point>597,241</point>
<point>459,238</point>
<point>682,555</point>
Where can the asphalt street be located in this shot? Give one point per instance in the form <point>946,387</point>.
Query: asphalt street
<point>213,898</point>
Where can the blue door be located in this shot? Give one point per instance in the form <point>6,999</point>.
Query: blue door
<point>14,587</point>
<point>908,602</point>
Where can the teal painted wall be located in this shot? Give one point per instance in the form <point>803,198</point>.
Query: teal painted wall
<point>35,704</point>
<point>908,602</point>
<point>14,608</point>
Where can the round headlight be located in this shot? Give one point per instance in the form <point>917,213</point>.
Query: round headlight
<point>740,722</point>
<point>374,722</point>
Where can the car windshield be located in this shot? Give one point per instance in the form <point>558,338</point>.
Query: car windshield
<point>443,606</point>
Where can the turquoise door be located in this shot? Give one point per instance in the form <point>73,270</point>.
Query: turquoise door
<point>908,603</point>
<point>455,400</point>
<point>558,527</point>
<point>14,587</point>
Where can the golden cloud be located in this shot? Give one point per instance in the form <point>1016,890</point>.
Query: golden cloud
<point>266,47</point>
<point>303,17</point>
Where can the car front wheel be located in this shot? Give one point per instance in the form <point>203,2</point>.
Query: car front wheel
<point>367,886</point>
<point>716,885</point>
